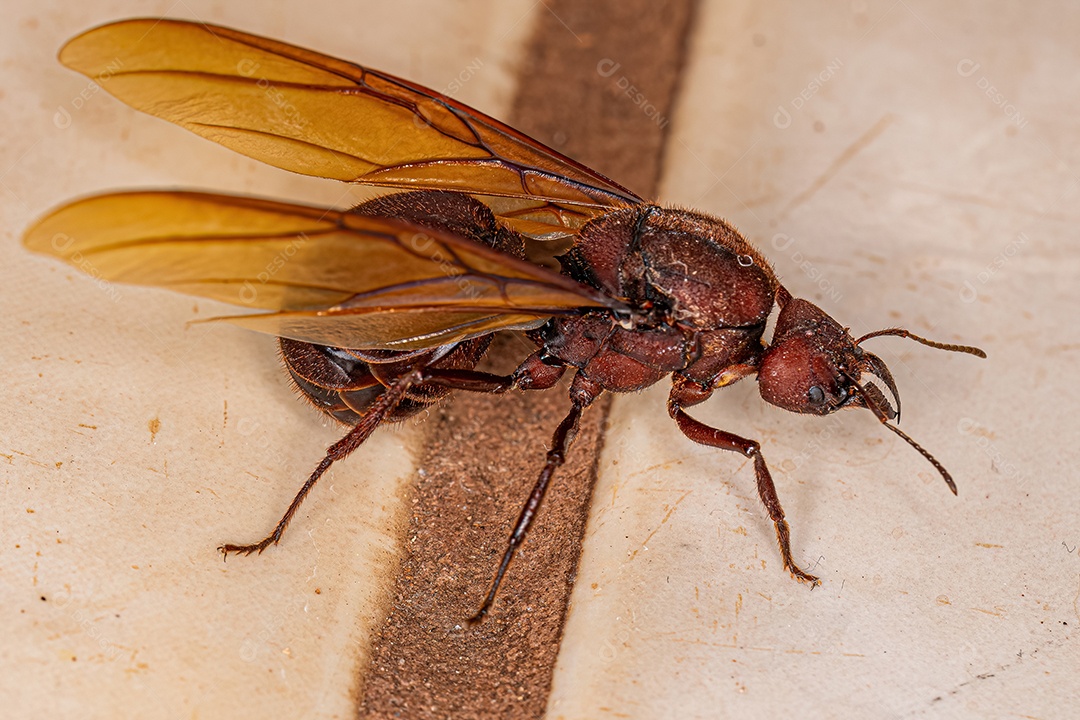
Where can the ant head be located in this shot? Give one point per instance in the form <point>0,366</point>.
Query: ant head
<point>814,366</point>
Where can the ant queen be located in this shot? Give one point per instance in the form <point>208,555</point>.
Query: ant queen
<point>384,309</point>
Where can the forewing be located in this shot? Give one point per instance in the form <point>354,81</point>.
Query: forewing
<point>317,115</point>
<point>329,277</point>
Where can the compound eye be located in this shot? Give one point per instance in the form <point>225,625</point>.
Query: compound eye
<point>816,395</point>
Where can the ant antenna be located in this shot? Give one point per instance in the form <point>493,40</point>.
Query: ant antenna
<point>930,343</point>
<point>880,414</point>
<point>874,365</point>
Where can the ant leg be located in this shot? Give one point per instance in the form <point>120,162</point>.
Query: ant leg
<point>383,406</point>
<point>556,456</point>
<point>532,374</point>
<point>469,380</point>
<point>686,393</point>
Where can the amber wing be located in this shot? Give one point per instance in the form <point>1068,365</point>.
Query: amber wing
<point>329,277</point>
<point>317,115</point>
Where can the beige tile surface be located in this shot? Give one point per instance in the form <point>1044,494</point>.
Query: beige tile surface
<point>132,444</point>
<point>863,148</point>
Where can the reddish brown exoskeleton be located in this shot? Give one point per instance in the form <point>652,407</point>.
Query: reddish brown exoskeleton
<point>384,309</point>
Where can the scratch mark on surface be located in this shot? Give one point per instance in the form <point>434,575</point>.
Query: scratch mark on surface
<point>995,203</point>
<point>843,159</point>
<point>658,466</point>
<point>958,688</point>
<point>30,458</point>
<point>762,648</point>
<point>649,537</point>
<point>995,612</point>
<point>988,545</point>
<point>1076,603</point>
<point>153,425</point>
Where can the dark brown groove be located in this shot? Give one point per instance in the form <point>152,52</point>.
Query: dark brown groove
<point>484,452</point>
